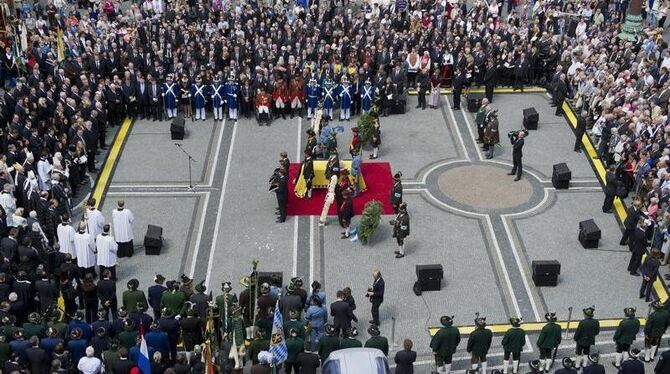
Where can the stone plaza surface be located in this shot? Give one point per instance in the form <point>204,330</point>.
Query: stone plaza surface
<point>466,214</point>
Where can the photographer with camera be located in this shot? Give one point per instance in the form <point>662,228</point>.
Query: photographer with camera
<point>517,140</point>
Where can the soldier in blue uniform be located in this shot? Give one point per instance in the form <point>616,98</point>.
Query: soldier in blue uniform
<point>232,88</point>
<point>367,96</point>
<point>170,98</point>
<point>345,92</point>
<point>595,367</point>
<point>329,94</point>
<point>198,93</point>
<point>218,99</point>
<point>313,94</point>
<point>632,365</point>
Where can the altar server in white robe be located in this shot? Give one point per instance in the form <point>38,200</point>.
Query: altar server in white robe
<point>65,234</point>
<point>122,222</point>
<point>94,219</point>
<point>107,248</point>
<point>84,247</point>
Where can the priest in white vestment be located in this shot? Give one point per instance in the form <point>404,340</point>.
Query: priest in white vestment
<point>94,219</point>
<point>65,233</point>
<point>122,222</point>
<point>84,247</point>
<point>107,248</point>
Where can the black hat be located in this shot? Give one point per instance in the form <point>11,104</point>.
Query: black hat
<point>496,371</point>
<point>167,313</point>
<point>402,207</point>
<point>534,365</point>
<point>634,352</point>
<point>226,285</point>
<point>154,326</point>
<point>310,132</point>
<point>185,279</point>
<point>297,281</point>
<point>657,305</point>
<point>200,287</point>
<point>79,316</point>
<point>629,312</point>
<point>158,278</point>
<point>447,320</point>
<point>550,316</point>
<point>516,321</point>
<point>594,358</point>
<point>102,313</point>
<point>122,312</point>
<point>353,332</point>
<point>100,331</point>
<point>589,311</point>
<point>141,306</point>
<point>293,332</point>
<point>567,362</point>
<point>397,175</point>
<point>373,330</point>
<point>480,321</point>
<point>330,330</point>
<point>133,284</point>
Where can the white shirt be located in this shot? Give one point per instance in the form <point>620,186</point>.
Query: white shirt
<point>9,205</point>
<point>122,223</point>
<point>65,235</point>
<point>107,248</point>
<point>44,171</point>
<point>89,365</point>
<point>95,222</point>
<point>84,247</point>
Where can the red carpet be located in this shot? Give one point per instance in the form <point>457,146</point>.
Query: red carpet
<point>378,179</point>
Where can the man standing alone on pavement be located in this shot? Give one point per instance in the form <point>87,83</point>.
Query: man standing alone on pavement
<point>376,295</point>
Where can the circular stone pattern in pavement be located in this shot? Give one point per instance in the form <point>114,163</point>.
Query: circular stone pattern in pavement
<point>484,187</point>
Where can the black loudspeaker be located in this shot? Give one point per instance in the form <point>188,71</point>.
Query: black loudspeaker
<point>589,234</point>
<point>177,128</point>
<point>153,240</point>
<point>530,118</point>
<point>474,102</point>
<point>561,176</point>
<point>430,277</point>
<point>267,277</point>
<point>545,273</point>
<point>399,106</point>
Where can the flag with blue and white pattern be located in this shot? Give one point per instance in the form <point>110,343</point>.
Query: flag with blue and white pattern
<point>277,342</point>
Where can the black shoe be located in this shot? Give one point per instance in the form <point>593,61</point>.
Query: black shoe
<point>280,220</point>
<point>396,252</point>
<point>399,255</point>
<point>635,273</point>
<point>418,106</point>
<point>510,173</point>
<point>517,179</point>
<point>344,236</point>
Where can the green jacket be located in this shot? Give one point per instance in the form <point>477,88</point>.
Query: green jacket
<point>514,340</point>
<point>586,332</point>
<point>61,327</point>
<point>481,116</point>
<point>479,341</point>
<point>265,324</point>
<point>109,357</point>
<point>33,329</point>
<point>221,303</point>
<point>128,338</point>
<point>5,351</point>
<point>299,326</point>
<point>175,301</point>
<point>378,342</point>
<point>550,336</point>
<point>657,323</point>
<point>328,344</point>
<point>626,331</point>
<point>350,343</point>
<point>445,341</point>
<point>130,299</point>
<point>256,346</point>
<point>294,346</point>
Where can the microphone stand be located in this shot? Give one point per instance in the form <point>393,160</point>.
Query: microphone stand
<point>191,186</point>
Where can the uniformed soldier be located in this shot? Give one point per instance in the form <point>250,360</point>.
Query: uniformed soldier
<point>351,341</point>
<point>654,329</point>
<point>513,342</point>
<point>170,96</point>
<point>294,323</point>
<point>396,192</point>
<point>491,133</point>
<point>169,325</point>
<point>307,171</point>
<point>479,343</point>
<point>200,300</point>
<point>444,344</point>
<point>375,134</point>
<point>232,89</point>
<point>281,98</point>
<point>313,97</point>
<point>198,93</point>
<point>480,120</point>
<point>297,93</point>
<point>225,303</point>
<point>376,340</point>
<point>294,345</point>
<point>548,341</point>
<point>401,229</point>
<point>329,94</point>
<point>568,367</point>
<point>333,164</point>
<point>585,336</point>
<point>173,299</point>
<point>632,365</point>
<point>345,94</point>
<point>367,96</point>
<point>595,367</point>
<point>132,295</point>
<point>263,107</point>
<point>34,326</point>
<point>625,334</point>
<point>260,343</point>
<point>218,97</point>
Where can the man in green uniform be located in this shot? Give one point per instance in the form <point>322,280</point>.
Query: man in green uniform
<point>625,334</point>
<point>328,343</point>
<point>350,341</point>
<point>585,337</point>
<point>34,326</point>
<point>261,343</point>
<point>225,304</point>
<point>444,344</point>
<point>110,356</point>
<point>128,337</point>
<point>654,329</point>
<point>174,299</point>
<point>479,343</point>
<point>56,322</point>
<point>376,340</point>
<point>295,323</point>
<point>513,342</point>
<point>294,345</point>
<point>132,295</point>
<point>480,120</point>
<point>548,341</point>
<point>236,334</point>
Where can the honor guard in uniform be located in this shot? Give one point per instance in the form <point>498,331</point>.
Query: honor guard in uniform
<point>226,303</point>
<point>132,296</point>
<point>367,96</point>
<point>585,336</point>
<point>344,92</point>
<point>333,164</point>
<point>297,92</point>
<point>313,92</point>
<point>263,106</point>
<point>282,194</point>
<point>198,94</point>
<point>568,367</point>
<point>186,97</point>
<point>350,341</point>
<point>311,143</point>
<point>396,192</point>
<point>376,340</point>
<point>480,120</point>
<point>401,229</point>
<point>654,329</point>
<point>173,299</point>
<point>295,323</point>
<point>633,365</point>
<point>169,325</point>
<point>328,343</point>
<point>479,343</point>
<point>548,341</point>
<point>281,98</point>
<point>491,134</point>
<point>625,334</point>
<point>170,96</point>
<point>155,292</point>
<point>329,94</point>
<point>513,342</point>
<point>594,366</point>
<point>376,134</point>
<point>444,344</point>
<point>346,212</point>
<point>218,98</point>
<point>232,89</point>
<point>307,172</point>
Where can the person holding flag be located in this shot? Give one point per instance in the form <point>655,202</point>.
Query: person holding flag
<point>143,362</point>
<point>277,342</point>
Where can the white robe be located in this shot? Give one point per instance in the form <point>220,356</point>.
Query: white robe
<point>44,174</point>
<point>84,247</point>
<point>66,239</point>
<point>122,223</point>
<point>95,222</point>
<point>107,248</point>
<point>9,205</point>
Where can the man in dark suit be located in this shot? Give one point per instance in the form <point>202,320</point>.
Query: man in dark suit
<point>376,295</point>
<point>123,365</point>
<point>458,82</point>
<point>580,130</point>
<point>142,95</point>
<point>342,315</point>
<point>155,92</point>
<point>155,293</point>
<point>107,294</point>
<point>517,154</point>
<point>560,90</point>
<point>612,183</point>
<point>38,360</point>
<point>282,194</point>
<point>405,358</point>
<point>490,80</point>
<point>632,216</point>
<point>637,246</point>
<point>663,364</point>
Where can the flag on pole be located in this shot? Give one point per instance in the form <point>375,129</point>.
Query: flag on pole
<point>277,342</point>
<point>210,343</point>
<point>143,362</point>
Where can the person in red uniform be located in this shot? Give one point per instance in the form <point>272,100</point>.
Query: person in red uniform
<point>297,92</point>
<point>281,98</point>
<point>263,105</point>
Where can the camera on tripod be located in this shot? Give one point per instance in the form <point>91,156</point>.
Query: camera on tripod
<point>514,135</point>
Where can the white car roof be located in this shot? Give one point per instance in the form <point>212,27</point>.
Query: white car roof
<point>356,360</point>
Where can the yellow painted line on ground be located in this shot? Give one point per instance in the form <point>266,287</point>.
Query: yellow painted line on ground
<point>535,326</point>
<point>449,91</point>
<point>106,174</point>
<point>599,167</point>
